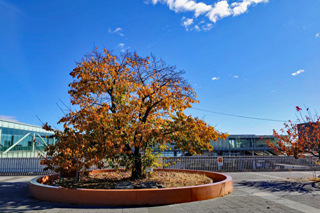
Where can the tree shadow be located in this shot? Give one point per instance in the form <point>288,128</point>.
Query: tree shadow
<point>283,186</point>
<point>15,197</point>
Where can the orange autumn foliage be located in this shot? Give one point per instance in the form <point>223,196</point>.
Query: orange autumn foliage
<point>299,139</point>
<point>125,105</point>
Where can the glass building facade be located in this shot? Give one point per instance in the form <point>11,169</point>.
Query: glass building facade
<point>235,145</point>
<point>244,145</point>
<point>23,140</point>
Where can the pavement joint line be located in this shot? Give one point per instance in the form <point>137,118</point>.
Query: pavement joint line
<point>280,200</point>
<point>256,180</point>
<point>19,179</point>
<point>270,176</point>
<point>12,178</point>
<point>296,193</point>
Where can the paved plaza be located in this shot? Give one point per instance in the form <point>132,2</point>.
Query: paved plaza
<point>253,192</point>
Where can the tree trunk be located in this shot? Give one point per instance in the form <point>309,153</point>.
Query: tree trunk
<point>137,165</point>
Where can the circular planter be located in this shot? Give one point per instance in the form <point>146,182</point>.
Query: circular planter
<point>132,197</point>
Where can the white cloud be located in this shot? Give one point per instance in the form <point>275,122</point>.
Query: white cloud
<point>123,47</point>
<point>317,35</point>
<point>220,10</point>
<point>242,7</point>
<point>215,78</point>
<point>235,76</point>
<point>187,23</point>
<point>201,8</point>
<point>118,30</point>
<point>8,118</point>
<point>297,73</point>
<point>214,12</point>
<point>207,27</point>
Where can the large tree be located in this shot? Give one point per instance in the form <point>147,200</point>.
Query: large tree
<point>301,137</point>
<point>124,107</point>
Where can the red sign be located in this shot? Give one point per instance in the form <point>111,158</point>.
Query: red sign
<point>220,161</point>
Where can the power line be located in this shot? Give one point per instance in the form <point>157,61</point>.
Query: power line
<point>239,116</point>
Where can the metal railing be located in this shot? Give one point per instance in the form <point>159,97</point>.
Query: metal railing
<point>31,165</point>
<point>21,154</point>
<point>240,163</point>
<point>21,166</point>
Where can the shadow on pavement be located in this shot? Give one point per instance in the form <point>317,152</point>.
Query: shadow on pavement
<point>281,186</point>
<point>16,197</point>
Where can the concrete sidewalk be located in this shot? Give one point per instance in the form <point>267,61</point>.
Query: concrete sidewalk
<point>253,192</point>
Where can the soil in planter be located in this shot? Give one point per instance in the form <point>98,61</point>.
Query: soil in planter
<point>121,180</point>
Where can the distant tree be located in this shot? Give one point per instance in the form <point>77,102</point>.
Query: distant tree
<point>299,138</point>
<point>125,106</point>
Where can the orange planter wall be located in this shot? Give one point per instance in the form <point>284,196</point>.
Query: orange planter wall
<point>132,197</point>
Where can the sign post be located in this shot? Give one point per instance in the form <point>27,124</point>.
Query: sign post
<point>149,170</point>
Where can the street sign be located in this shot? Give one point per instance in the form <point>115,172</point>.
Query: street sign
<point>149,169</point>
<point>42,162</point>
<point>220,161</point>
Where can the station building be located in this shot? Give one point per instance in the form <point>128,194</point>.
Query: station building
<point>23,140</point>
<point>236,145</point>
<point>243,145</point>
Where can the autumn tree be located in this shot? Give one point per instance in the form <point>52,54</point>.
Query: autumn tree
<point>125,106</point>
<point>299,138</point>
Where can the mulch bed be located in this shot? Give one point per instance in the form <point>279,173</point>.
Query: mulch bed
<point>121,180</point>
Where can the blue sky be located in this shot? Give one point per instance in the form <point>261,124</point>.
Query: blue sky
<point>256,58</point>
